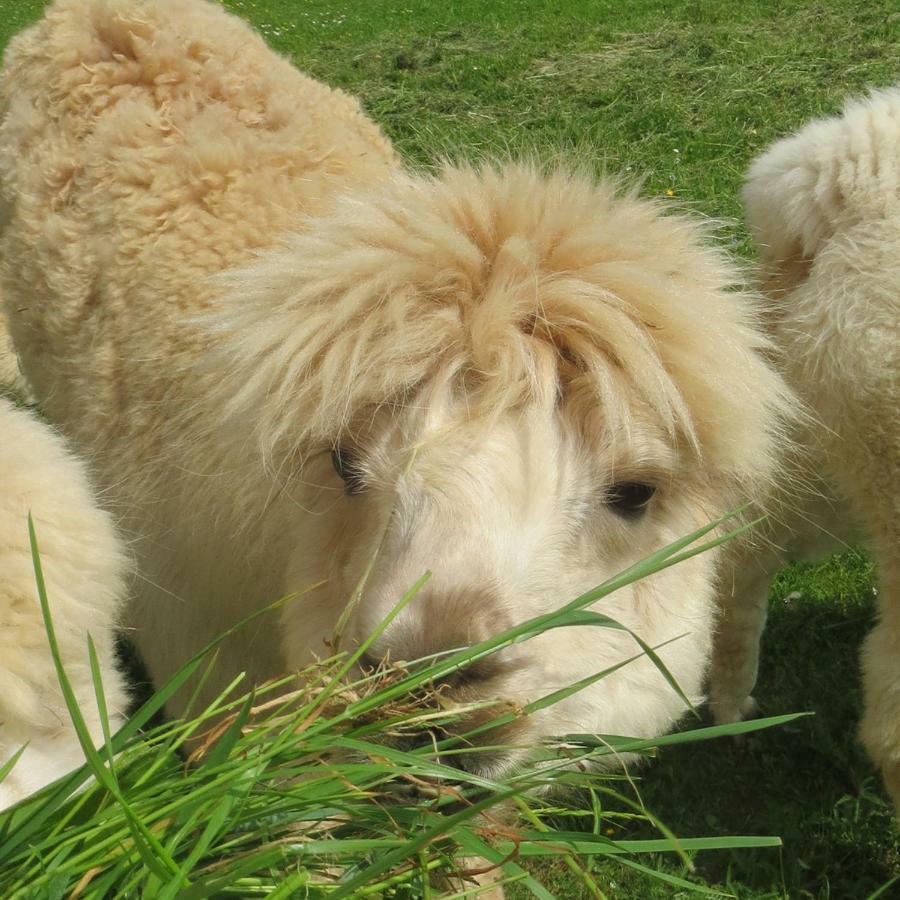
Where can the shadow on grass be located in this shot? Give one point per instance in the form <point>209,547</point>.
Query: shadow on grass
<point>808,782</point>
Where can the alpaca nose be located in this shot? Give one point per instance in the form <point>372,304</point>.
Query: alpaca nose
<point>473,743</point>
<point>442,620</point>
<point>368,662</point>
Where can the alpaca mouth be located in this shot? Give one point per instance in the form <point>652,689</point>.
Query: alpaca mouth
<point>475,745</point>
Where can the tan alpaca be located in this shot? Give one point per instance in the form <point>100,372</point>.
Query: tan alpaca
<point>282,351</point>
<point>84,567</point>
<point>824,207</point>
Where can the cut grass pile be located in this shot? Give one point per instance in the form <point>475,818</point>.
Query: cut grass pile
<point>681,95</point>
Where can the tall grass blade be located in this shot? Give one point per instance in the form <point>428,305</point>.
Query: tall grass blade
<point>152,852</point>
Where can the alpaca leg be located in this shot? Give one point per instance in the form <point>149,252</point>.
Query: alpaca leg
<point>735,662</point>
<point>807,532</point>
<point>880,727</point>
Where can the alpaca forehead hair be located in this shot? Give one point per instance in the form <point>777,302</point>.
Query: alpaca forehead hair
<point>520,284</point>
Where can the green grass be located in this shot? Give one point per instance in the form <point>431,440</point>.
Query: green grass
<point>681,95</point>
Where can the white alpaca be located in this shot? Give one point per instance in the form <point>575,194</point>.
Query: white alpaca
<point>281,351</point>
<point>824,208</point>
<point>83,568</point>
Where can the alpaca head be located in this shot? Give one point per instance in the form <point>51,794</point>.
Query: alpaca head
<point>521,383</point>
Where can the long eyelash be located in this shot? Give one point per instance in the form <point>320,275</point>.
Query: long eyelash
<point>629,498</point>
<point>347,468</point>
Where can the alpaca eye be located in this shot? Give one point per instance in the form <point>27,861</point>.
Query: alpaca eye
<point>629,498</point>
<point>347,466</point>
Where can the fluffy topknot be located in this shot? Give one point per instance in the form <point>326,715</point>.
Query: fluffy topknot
<point>520,286</point>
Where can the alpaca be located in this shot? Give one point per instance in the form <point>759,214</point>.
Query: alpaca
<point>84,570</point>
<point>292,361</point>
<point>824,208</point>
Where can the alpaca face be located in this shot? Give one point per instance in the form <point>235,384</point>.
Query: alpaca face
<point>521,382</point>
<point>513,518</point>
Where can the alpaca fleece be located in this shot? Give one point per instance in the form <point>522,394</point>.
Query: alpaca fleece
<point>217,272</point>
<point>84,570</point>
<point>824,208</point>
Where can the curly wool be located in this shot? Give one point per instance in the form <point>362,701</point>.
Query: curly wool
<point>84,567</point>
<point>510,284</point>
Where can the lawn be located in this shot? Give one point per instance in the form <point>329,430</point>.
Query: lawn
<point>678,95</point>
